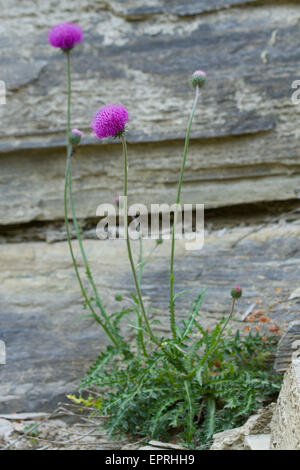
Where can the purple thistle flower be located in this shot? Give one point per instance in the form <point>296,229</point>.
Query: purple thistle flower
<point>110,121</point>
<point>65,35</point>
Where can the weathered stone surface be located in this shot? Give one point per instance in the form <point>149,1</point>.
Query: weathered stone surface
<point>24,416</point>
<point>6,429</point>
<point>285,424</point>
<point>258,441</point>
<point>165,445</point>
<point>150,448</point>
<point>287,345</point>
<point>2,353</point>
<point>71,432</point>
<point>238,438</point>
<point>244,139</point>
<point>49,349</point>
<point>243,149</point>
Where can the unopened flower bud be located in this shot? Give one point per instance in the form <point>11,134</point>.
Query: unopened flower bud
<point>236,292</point>
<point>159,241</point>
<point>118,297</point>
<point>75,137</point>
<point>198,79</point>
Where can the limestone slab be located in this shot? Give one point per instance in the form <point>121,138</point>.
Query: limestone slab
<point>49,346</point>
<point>244,142</point>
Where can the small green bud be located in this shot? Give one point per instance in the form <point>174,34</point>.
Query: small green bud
<point>236,292</point>
<point>75,137</point>
<point>118,297</point>
<point>198,79</point>
<point>159,241</point>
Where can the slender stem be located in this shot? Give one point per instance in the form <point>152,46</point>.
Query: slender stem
<point>138,290</point>
<point>213,347</point>
<point>139,335</point>
<point>83,291</point>
<point>189,433</point>
<point>141,262</point>
<point>215,344</point>
<point>84,257</point>
<point>68,184</point>
<point>211,410</point>
<point>186,145</point>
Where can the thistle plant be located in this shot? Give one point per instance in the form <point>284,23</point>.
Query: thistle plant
<point>191,383</point>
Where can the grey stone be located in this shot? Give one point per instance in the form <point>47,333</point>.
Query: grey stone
<point>285,425</point>
<point>295,294</point>
<point>243,149</point>
<point>21,73</point>
<point>166,445</point>
<point>238,438</point>
<point>244,141</point>
<point>150,448</point>
<point>23,416</point>
<point>2,353</point>
<point>49,347</point>
<point>180,8</point>
<point>258,442</point>
<point>6,429</point>
<point>287,345</point>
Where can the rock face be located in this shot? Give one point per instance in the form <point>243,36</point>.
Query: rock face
<point>2,353</point>
<point>276,427</point>
<point>244,141</point>
<point>253,434</point>
<point>48,348</point>
<point>288,343</point>
<point>285,424</point>
<point>243,150</point>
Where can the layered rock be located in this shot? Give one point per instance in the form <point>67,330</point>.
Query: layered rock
<point>243,149</point>
<point>244,140</point>
<point>48,346</point>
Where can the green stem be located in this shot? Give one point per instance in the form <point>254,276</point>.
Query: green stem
<point>139,335</point>
<point>211,411</point>
<point>186,146</point>
<point>213,347</point>
<point>138,290</point>
<point>83,291</point>
<point>216,342</point>
<point>190,416</point>
<point>68,184</point>
<point>85,260</point>
<point>140,262</point>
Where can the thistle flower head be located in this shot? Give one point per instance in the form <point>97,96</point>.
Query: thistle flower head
<point>65,35</point>
<point>236,292</point>
<point>75,136</point>
<point>198,79</point>
<point>110,121</point>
